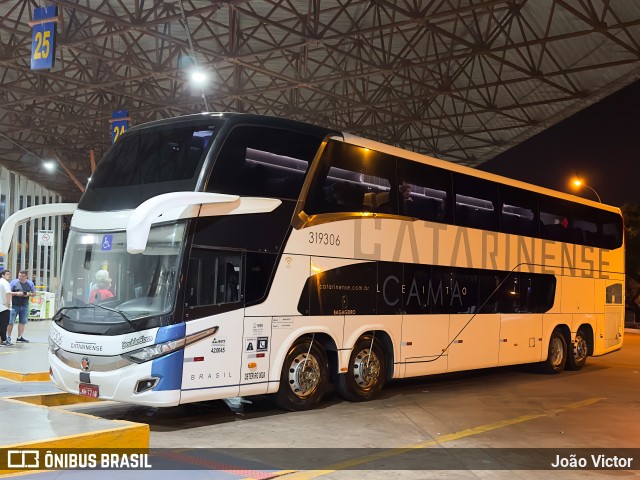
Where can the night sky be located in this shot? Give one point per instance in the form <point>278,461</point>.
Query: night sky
<point>601,144</point>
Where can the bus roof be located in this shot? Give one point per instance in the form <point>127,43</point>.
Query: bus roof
<point>378,146</point>
<point>236,117</point>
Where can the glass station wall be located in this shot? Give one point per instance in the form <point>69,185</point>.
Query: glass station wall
<point>42,262</point>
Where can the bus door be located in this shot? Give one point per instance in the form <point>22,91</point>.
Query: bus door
<point>613,328</point>
<point>214,300</point>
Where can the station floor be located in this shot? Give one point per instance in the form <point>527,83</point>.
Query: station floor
<point>596,408</point>
<point>28,358</point>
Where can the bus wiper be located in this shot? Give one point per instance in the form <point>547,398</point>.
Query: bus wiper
<point>131,324</point>
<point>59,316</point>
<point>94,305</point>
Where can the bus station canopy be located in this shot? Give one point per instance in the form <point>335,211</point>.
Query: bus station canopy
<point>455,79</point>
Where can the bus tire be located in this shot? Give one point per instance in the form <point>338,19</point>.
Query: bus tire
<point>303,380</point>
<point>557,354</point>
<point>579,352</point>
<point>367,371</point>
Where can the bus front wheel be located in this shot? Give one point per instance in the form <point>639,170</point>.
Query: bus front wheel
<point>303,380</point>
<point>557,355</point>
<point>366,373</point>
<point>578,352</point>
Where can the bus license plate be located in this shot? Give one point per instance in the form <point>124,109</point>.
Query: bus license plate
<point>88,390</point>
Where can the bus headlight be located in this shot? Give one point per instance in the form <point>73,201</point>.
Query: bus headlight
<point>53,346</point>
<point>154,351</point>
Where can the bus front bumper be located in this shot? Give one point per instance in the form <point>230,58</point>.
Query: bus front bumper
<point>129,384</point>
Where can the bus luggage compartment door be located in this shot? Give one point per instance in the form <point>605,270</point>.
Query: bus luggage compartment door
<point>613,326</point>
<point>474,344</point>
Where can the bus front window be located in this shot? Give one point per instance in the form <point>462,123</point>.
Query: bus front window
<point>98,271</point>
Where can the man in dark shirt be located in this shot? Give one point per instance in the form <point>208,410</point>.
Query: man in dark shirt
<point>21,290</point>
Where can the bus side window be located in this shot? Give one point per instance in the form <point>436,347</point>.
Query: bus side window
<point>425,191</point>
<point>488,291</point>
<point>196,147</point>
<point>518,212</point>
<point>599,228</point>
<point>213,279</point>
<point>231,283</point>
<point>463,290</point>
<point>514,292</point>
<point>263,161</point>
<point>543,293</point>
<point>476,203</point>
<point>353,179</point>
<point>259,267</point>
<point>555,219</point>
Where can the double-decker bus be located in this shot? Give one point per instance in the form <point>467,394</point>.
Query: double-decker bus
<point>223,255</point>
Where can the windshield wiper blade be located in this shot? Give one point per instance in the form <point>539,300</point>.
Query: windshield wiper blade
<point>94,305</point>
<point>59,316</point>
<point>133,327</point>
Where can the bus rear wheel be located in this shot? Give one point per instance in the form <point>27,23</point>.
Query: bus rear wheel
<point>367,371</point>
<point>579,352</point>
<point>557,354</point>
<point>303,380</point>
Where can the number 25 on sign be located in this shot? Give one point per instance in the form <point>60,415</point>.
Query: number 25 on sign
<point>42,49</point>
<point>43,39</point>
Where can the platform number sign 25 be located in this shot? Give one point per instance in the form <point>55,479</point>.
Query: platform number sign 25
<point>43,38</point>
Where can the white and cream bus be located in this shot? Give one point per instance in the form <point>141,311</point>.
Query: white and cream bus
<point>241,255</point>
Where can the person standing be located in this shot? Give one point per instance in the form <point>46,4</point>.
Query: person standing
<point>21,289</point>
<point>5,305</point>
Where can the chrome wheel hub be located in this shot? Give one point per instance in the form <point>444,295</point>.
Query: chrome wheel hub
<point>557,352</point>
<point>304,375</point>
<point>580,348</point>
<point>366,369</point>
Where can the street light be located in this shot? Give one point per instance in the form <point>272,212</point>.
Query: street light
<point>199,77</point>
<point>579,183</point>
<point>49,165</point>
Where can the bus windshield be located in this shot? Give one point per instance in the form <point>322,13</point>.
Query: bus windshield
<point>149,162</point>
<point>98,272</point>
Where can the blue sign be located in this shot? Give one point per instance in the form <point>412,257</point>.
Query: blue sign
<point>107,242</point>
<point>119,124</point>
<point>43,38</point>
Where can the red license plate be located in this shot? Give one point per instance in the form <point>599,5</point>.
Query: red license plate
<point>88,390</point>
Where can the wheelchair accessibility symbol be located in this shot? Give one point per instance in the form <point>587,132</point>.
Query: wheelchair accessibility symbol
<point>107,242</point>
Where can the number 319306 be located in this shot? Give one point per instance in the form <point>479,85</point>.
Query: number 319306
<point>322,238</point>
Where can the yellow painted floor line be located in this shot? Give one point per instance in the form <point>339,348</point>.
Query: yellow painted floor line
<point>469,432</point>
<point>131,434</point>
<point>25,377</point>
<point>55,399</point>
